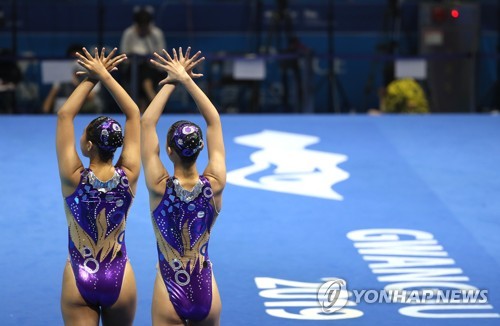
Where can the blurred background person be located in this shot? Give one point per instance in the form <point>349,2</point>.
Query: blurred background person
<point>60,92</point>
<point>139,41</point>
<point>10,76</point>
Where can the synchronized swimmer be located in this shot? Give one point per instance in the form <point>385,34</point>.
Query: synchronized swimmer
<point>98,280</point>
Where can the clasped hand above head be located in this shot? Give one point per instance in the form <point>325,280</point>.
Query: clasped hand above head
<point>179,67</point>
<point>98,65</point>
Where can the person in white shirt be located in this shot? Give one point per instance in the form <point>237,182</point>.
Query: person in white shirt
<point>139,41</point>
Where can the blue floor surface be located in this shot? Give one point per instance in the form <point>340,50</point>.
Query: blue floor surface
<point>379,201</point>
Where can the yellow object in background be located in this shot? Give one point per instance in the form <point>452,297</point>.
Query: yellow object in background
<point>404,96</point>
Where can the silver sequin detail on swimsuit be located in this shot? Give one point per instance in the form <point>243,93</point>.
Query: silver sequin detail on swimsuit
<point>103,186</point>
<point>186,195</point>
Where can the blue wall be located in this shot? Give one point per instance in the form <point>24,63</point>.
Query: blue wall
<point>46,28</point>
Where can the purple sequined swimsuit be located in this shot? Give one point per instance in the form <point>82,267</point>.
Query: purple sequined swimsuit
<point>96,213</point>
<point>182,223</point>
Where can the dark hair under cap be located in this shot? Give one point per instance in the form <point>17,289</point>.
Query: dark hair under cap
<point>106,133</point>
<point>186,138</point>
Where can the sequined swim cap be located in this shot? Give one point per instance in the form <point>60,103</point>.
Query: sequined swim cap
<point>186,139</point>
<point>106,133</point>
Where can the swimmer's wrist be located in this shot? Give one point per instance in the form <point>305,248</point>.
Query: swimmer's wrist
<point>92,80</point>
<point>105,76</point>
<point>185,78</point>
